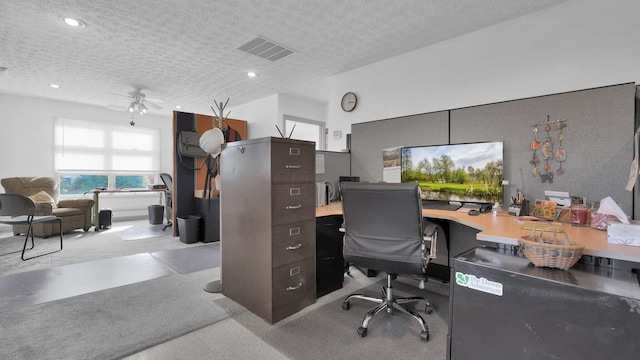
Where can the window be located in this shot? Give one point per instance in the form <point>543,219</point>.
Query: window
<point>305,129</point>
<point>91,154</point>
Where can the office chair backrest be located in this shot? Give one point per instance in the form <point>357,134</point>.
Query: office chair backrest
<point>168,181</point>
<point>16,205</point>
<point>383,226</point>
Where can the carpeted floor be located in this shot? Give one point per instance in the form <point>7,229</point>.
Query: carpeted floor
<point>80,246</point>
<point>113,323</point>
<point>333,329</point>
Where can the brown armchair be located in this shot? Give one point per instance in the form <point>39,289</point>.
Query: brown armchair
<point>75,214</point>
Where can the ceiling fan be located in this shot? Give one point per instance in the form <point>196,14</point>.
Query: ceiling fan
<point>137,102</point>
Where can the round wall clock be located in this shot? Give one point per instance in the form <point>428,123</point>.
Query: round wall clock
<point>349,101</point>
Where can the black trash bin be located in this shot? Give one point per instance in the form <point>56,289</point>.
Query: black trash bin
<point>188,228</point>
<point>156,214</point>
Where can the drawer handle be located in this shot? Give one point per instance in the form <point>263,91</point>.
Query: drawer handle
<point>293,207</point>
<point>296,247</point>
<point>294,151</point>
<point>293,288</point>
<point>293,166</point>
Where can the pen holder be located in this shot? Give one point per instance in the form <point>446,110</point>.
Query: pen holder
<point>550,250</point>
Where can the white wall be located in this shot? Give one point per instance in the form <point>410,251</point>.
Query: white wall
<point>261,115</point>
<point>26,148</point>
<point>576,45</point>
<point>264,114</point>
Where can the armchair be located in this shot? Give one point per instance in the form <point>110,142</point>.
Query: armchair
<point>74,213</point>
<point>385,231</point>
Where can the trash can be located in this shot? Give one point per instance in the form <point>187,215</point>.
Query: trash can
<point>188,228</point>
<point>156,214</point>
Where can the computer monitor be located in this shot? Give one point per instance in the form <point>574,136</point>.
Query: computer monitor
<point>464,173</point>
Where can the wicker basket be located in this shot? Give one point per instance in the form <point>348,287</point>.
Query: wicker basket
<point>550,250</point>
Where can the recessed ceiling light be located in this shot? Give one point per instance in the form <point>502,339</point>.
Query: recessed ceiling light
<point>251,74</point>
<point>74,22</point>
<point>55,86</point>
<point>178,107</point>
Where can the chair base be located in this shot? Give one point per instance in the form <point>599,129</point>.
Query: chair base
<point>168,224</point>
<point>26,239</point>
<point>389,303</point>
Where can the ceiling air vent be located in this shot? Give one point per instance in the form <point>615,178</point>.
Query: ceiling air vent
<point>266,49</point>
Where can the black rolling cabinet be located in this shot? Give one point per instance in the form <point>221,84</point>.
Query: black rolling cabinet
<point>329,260</point>
<point>209,212</point>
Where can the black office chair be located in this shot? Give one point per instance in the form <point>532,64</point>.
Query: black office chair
<point>168,199</point>
<point>383,227</point>
<point>16,209</point>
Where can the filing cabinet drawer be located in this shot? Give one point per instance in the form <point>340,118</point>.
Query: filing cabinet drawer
<point>294,282</point>
<point>293,203</point>
<point>293,242</point>
<point>293,163</point>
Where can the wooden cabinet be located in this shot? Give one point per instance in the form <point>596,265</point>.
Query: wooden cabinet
<point>267,202</point>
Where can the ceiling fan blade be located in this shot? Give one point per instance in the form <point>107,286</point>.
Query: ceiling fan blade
<point>117,107</point>
<point>122,95</point>
<point>155,106</point>
<point>153,100</point>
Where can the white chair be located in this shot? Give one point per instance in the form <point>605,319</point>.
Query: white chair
<point>16,209</point>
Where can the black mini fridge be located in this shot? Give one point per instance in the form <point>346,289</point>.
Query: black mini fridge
<point>502,307</point>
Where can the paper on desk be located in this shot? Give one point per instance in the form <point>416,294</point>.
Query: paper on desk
<point>608,206</point>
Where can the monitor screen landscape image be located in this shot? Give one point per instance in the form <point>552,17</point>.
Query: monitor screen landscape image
<point>456,173</point>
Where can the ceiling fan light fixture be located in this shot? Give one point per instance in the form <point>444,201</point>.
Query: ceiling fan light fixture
<point>142,108</point>
<point>132,106</point>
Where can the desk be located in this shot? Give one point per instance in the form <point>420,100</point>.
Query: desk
<point>96,198</point>
<point>506,229</point>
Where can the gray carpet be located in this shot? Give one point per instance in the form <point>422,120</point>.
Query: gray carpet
<point>191,259</point>
<point>113,323</point>
<point>80,246</point>
<point>333,329</point>
<point>143,232</point>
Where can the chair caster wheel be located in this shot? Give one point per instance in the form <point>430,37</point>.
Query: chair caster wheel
<point>362,331</point>
<point>346,305</point>
<point>424,336</point>
<point>428,309</point>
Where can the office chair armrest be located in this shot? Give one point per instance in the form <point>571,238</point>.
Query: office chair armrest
<point>430,241</point>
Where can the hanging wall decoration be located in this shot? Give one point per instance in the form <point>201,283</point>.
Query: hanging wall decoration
<point>546,149</point>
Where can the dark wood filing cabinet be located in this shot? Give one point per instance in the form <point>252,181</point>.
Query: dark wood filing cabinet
<point>267,202</point>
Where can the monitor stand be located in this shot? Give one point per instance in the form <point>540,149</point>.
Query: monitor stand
<point>481,207</point>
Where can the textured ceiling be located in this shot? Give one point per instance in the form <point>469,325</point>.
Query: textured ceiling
<point>185,51</point>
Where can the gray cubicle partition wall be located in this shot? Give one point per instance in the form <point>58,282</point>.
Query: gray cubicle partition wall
<point>336,164</point>
<point>598,140</point>
<point>370,138</point>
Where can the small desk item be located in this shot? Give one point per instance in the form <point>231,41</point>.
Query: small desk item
<point>95,213</point>
<point>22,211</point>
